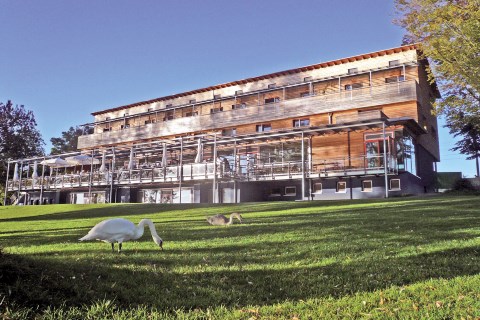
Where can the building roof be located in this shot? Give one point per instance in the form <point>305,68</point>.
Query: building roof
<point>268,76</point>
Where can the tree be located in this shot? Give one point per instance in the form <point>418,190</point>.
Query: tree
<point>469,128</point>
<point>19,137</point>
<point>68,141</point>
<point>448,32</point>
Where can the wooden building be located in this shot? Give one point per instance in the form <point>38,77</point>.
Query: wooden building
<point>357,127</point>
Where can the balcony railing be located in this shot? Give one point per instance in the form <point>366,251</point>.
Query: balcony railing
<point>338,167</point>
<point>298,107</point>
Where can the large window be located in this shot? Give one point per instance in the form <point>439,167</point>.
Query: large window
<point>239,106</point>
<point>265,127</point>
<point>374,148</point>
<point>317,188</point>
<point>272,100</point>
<point>353,86</point>
<point>216,110</point>
<point>301,123</point>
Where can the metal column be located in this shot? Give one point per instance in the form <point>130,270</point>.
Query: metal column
<point>180,171</point>
<point>303,166</point>
<point>112,171</point>
<point>235,171</point>
<point>385,165</point>
<point>43,182</point>
<point>214,186</point>
<point>6,185</point>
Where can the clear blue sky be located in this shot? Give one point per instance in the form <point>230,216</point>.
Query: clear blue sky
<point>64,59</point>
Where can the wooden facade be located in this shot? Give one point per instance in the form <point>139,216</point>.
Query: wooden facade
<point>367,118</point>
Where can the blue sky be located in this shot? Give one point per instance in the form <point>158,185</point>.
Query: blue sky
<point>66,59</point>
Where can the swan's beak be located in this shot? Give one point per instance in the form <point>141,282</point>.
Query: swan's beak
<point>161,245</point>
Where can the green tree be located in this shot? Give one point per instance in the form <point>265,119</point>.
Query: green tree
<point>68,141</point>
<point>19,137</point>
<point>467,127</point>
<point>448,33</point>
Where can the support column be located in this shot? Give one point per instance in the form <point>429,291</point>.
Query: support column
<point>214,186</point>
<point>235,171</point>
<point>90,179</point>
<point>43,181</point>
<point>180,171</point>
<point>303,166</point>
<point>6,184</point>
<point>112,173</point>
<point>385,165</point>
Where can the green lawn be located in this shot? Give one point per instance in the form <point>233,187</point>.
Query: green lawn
<point>397,258</point>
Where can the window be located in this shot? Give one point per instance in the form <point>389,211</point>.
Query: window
<point>216,110</point>
<point>191,114</point>
<point>238,92</point>
<point>352,70</point>
<point>149,121</point>
<point>264,127</point>
<point>272,100</point>
<point>275,192</point>
<point>291,191</point>
<point>168,116</point>
<point>305,94</point>
<point>393,63</point>
<point>301,123</point>
<point>394,184</point>
<point>341,187</point>
<point>229,132</point>
<point>217,96</point>
<point>353,86</point>
<point>317,187</point>
<point>149,109</point>
<point>107,118</point>
<point>367,186</point>
<point>107,129</point>
<point>169,105</point>
<point>125,126</point>
<point>125,114</point>
<point>239,106</point>
<point>272,86</point>
<point>394,79</point>
<point>307,79</point>
<point>192,101</point>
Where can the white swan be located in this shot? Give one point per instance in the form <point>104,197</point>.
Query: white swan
<point>221,220</point>
<point>121,230</point>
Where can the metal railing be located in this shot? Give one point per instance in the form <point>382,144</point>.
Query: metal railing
<point>346,166</point>
<point>297,107</point>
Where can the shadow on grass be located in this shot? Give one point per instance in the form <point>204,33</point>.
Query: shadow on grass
<point>47,283</point>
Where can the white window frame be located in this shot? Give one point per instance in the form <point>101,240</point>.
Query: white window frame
<point>297,123</point>
<point>291,193</point>
<point>369,189</point>
<point>263,126</point>
<point>390,185</point>
<point>344,190</point>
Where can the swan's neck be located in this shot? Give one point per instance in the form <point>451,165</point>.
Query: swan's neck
<point>141,227</point>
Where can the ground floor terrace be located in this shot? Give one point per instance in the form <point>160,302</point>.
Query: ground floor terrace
<point>219,168</point>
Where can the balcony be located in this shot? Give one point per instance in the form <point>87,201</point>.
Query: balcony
<point>208,171</point>
<point>298,107</point>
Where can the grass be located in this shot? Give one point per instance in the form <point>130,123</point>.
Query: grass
<point>403,258</point>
